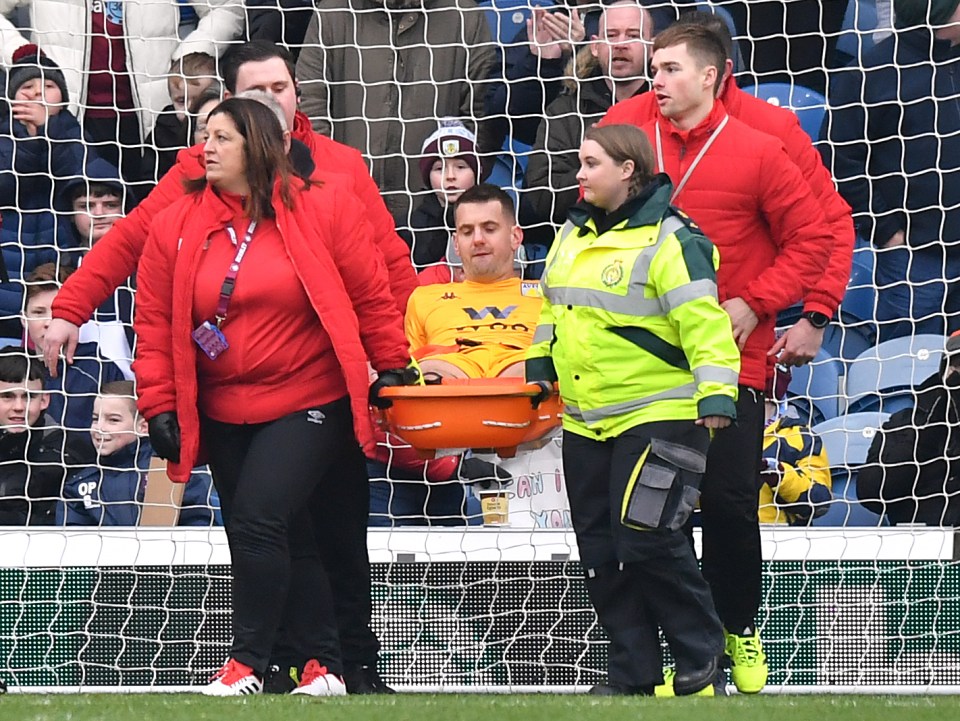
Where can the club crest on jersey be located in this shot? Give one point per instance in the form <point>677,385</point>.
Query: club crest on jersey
<point>450,147</point>
<point>530,288</point>
<point>612,274</point>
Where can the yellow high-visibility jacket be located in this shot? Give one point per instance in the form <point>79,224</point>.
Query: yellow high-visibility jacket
<point>631,327</point>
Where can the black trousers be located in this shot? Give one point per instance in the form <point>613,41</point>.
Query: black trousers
<point>638,580</point>
<point>729,502</point>
<point>272,479</point>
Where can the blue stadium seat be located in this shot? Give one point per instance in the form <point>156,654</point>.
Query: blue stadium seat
<point>814,389</point>
<point>508,17</point>
<point>846,342</point>
<point>856,32</point>
<point>859,304</point>
<point>847,440</point>
<point>510,166</point>
<point>892,368</point>
<point>809,105</point>
<point>727,18</point>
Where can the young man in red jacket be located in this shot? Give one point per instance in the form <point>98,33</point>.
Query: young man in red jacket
<point>264,66</point>
<point>801,342</point>
<point>753,202</point>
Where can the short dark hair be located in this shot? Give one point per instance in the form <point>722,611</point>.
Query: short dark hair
<point>96,189</point>
<point>712,22</point>
<point>485,193</point>
<point>264,155</point>
<point>255,51</point>
<point>703,44</point>
<point>16,366</point>
<point>47,276</point>
<point>121,389</point>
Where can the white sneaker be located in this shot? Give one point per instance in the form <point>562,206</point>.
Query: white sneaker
<point>234,679</point>
<point>317,681</point>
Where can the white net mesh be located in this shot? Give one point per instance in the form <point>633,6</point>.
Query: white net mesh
<point>852,602</point>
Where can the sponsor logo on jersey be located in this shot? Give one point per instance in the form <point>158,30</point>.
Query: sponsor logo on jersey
<point>449,296</point>
<point>490,310</point>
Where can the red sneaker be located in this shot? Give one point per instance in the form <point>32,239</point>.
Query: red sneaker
<point>317,681</point>
<point>234,679</point>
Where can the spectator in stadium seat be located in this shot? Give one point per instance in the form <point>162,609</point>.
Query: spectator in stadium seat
<point>753,202</point>
<point>912,473</point>
<point>533,69</point>
<point>893,133</point>
<point>377,73</point>
<point>40,150</point>
<point>187,78</point>
<point>72,391</point>
<point>801,342</point>
<point>611,69</point>
<point>261,66</point>
<point>94,203</point>
<point>795,482</point>
<point>32,454</point>
<point>313,300</point>
<point>632,332</point>
<point>110,492</point>
<point>449,165</point>
<point>481,327</point>
<point>116,70</point>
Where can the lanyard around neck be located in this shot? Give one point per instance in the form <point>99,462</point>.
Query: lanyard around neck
<point>230,280</point>
<point>696,160</point>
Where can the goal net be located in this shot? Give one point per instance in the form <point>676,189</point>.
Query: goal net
<point>461,602</point>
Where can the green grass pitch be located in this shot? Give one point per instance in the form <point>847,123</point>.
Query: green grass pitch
<point>472,707</point>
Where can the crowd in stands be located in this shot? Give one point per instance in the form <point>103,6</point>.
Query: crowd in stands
<point>101,101</point>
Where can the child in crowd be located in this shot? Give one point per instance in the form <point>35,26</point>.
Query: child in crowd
<point>40,150</point>
<point>72,392</point>
<point>449,165</point>
<point>110,493</point>
<point>187,77</point>
<point>94,203</point>
<point>32,453</point>
<point>200,108</point>
<point>795,483</point>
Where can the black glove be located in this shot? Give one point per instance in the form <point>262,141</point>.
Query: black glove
<point>388,379</point>
<point>546,390</point>
<point>484,474</point>
<point>165,436</point>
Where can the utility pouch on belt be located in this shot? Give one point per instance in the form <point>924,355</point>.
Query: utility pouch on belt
<point>664,487</point>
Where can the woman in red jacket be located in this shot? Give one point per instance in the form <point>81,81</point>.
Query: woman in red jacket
<point>260,299</point>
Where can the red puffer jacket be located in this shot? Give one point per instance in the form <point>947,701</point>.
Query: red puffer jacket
<point>782,124</point>
<point>114,258</point>
<point>751,200</point>
<point>327,240</point>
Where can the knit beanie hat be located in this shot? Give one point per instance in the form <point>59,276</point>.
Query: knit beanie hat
<point>450,140</point>
<point>910,13</point>
<point>30,62</point>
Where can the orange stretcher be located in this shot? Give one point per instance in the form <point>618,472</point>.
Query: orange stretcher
<point>479,413</point>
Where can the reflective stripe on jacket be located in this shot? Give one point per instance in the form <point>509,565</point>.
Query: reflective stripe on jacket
<point>631,327</point>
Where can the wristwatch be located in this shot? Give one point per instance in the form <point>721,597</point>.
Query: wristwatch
<point>817,320</point>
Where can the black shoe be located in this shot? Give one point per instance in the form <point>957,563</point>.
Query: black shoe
<point>279,680</point>
<point>689,682</point>
<point>611,689</point>
<point>364,680</point>
<point>3,686</point>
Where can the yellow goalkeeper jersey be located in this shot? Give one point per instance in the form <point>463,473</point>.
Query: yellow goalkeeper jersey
<point>503,313</point>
